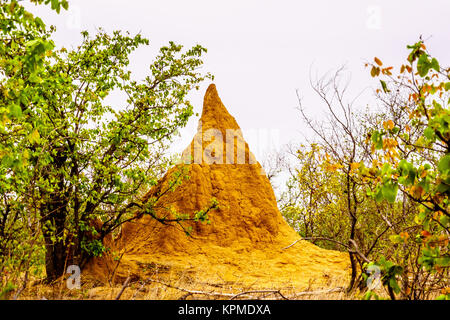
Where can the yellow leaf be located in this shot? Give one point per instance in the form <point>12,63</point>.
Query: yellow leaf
<point>34,137</point>
<point>5,119</point>
<point>443,239</point>
<point>388,125</point>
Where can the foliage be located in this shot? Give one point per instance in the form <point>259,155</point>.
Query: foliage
<point>73,167</point>
<point>415,154</point>
<point>312,202</point>
<point>387,169</point>
<point>24,44</point>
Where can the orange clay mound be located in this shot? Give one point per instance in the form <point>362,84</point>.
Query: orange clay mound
<point>245,242</point>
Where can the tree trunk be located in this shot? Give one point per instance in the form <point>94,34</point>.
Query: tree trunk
<point>56,249</point>
<point>54,213</point>
<point>354,272</point>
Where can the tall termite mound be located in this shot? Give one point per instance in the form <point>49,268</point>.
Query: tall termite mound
<point>246,235</point>
<point>219,166</point>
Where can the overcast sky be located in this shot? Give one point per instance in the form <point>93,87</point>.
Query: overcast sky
<point>262,51</point>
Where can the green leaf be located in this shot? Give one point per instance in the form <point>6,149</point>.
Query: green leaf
<point>445,220</point>
<point>429,133</point>
<point>390,192</point>
<point>394,285</point>
<point>7,161</point>
<point>379,196</point>
<point>396,238</point>
<point>443,262</point>
<point>56,5</point>
<point>32,43</point>
<point>423,65</point>
<point>420,217</point>
<point>377,139</point>
<point>65,4</point>
<point>435,64</point>
<point>15,110</point>
<point>385,89</point>
<point>444,163</point>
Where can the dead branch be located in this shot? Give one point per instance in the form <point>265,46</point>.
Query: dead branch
<point>353,242</point>
<point>192,292</point>
<point>291,244</point>
<point>315,238</point>
<point>307,293</point>
<point>245,294</point>
<point>111,278</point>
<point>125,285</point>
<point>260,291</point>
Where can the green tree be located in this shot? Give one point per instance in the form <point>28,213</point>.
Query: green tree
<point>23,45</point>
<point>313,202</point>
<point>68,156</point>
<point>414,146</point>
<point>387,168</point>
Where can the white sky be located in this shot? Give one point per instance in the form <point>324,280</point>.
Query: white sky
<point>262,51</point>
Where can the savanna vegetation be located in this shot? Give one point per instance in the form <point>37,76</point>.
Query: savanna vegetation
<point>376,182</point>
<point>73,167</point>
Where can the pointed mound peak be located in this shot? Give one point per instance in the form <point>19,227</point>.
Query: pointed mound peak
<point>219,138</point>
<point>211,95</point>
<point>214,114</point>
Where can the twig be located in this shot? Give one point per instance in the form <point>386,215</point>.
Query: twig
<point>184,296</point>
<point>125,285</point>
<point>307,293</point>
<point>212,293</point>
<point>245,293</point>
<point>111,278</point>
<point>315,238</point>
<point>353,242</point>
<point>259,291</point>
<point>144,283</point>
<point>138,290</point>
<point>291,244</point>
<point>25,281</point>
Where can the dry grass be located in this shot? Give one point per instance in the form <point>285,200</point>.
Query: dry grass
<point>184,287</point>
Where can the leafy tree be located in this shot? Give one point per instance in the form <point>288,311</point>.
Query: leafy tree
<point>386,169</point>
<point>342,149</point>
<point>413,147</point>
<point>23,46</point>
<point>68,158</point>
<point>312,202</point>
